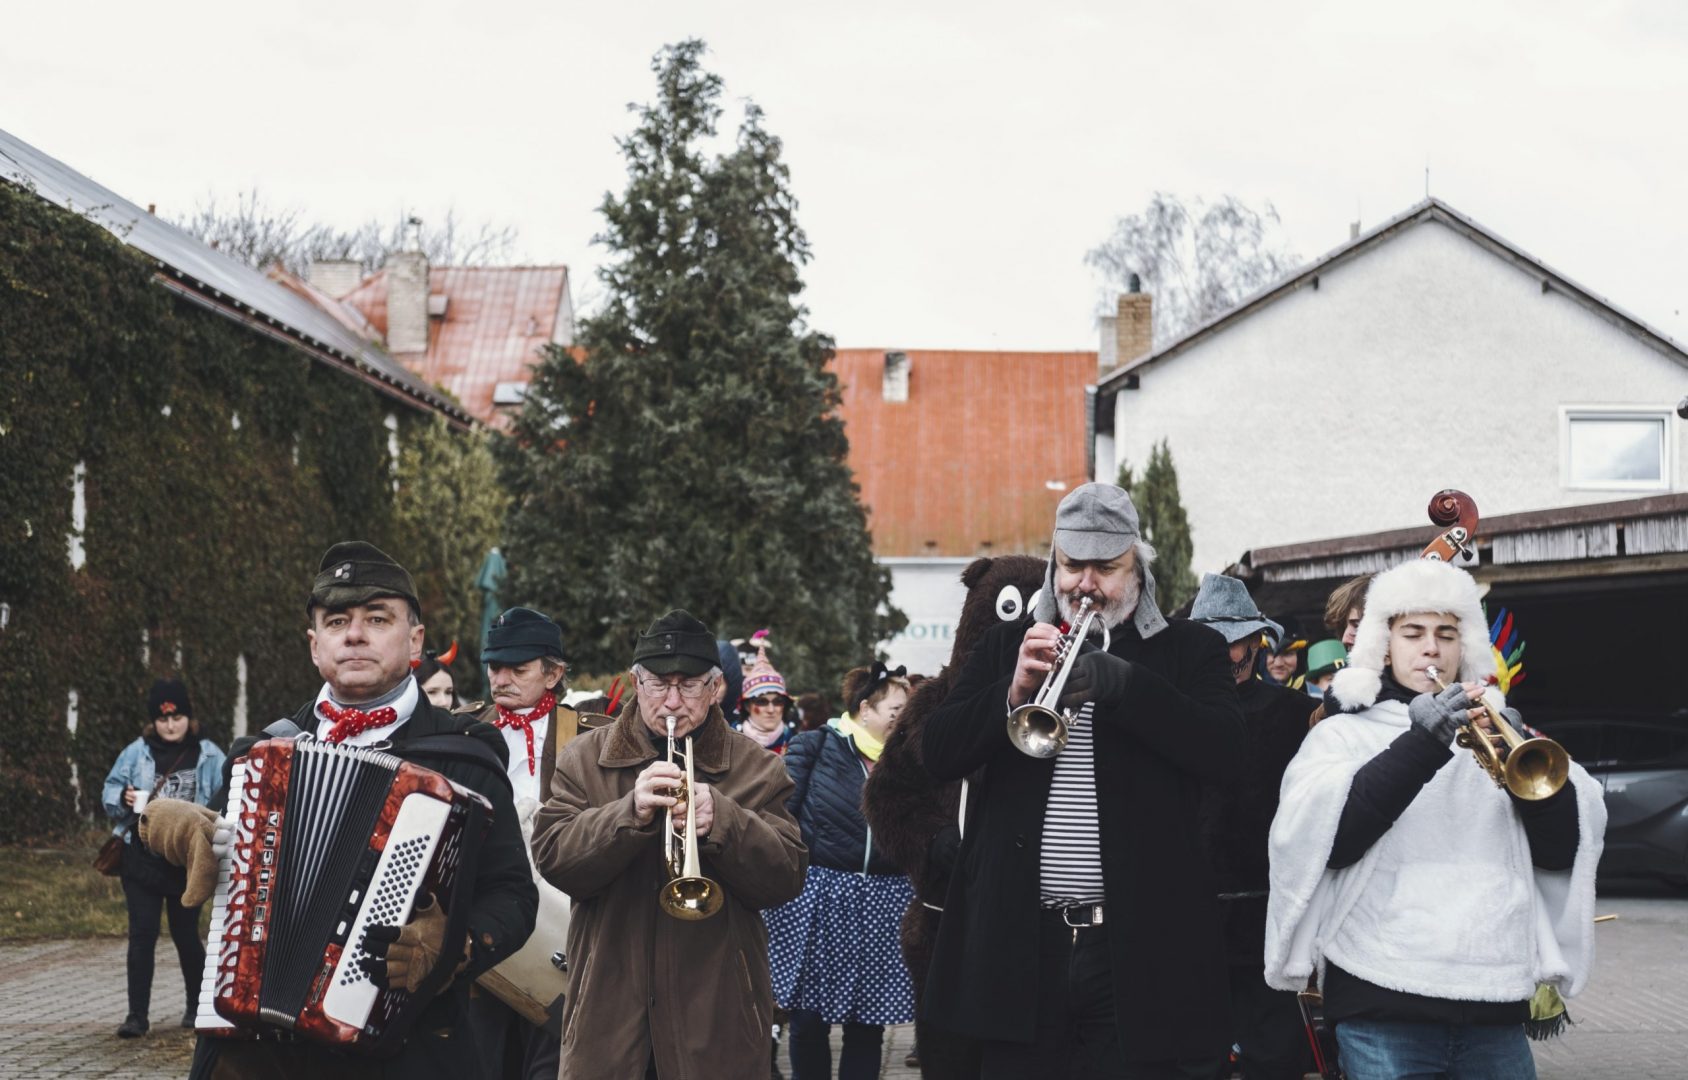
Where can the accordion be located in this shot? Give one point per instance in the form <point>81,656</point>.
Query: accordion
<point>328,841</point>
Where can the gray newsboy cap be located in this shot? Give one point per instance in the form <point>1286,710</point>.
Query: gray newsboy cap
<point>1095,522</point>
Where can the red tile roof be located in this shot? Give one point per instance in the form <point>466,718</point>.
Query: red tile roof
<point>496,320</point>
<point>963,467</point>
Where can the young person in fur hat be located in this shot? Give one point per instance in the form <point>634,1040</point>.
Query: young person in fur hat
<point>917,819</point>
<point>1265,1023</point>
<point>1081,930</point>
<point>1429,902</point>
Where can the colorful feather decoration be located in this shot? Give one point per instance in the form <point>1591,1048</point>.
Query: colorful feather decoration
<point>1508,648</point>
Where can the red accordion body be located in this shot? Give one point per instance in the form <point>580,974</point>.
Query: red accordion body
<point>328,841</point>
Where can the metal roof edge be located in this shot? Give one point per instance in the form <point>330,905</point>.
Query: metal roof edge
<point>1624,510</point>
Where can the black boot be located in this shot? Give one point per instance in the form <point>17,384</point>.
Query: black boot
<point>133,1027</point>
<point>191,1014</point>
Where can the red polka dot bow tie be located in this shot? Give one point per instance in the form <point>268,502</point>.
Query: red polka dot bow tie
<point>508,719</point>
<point>350,721</point>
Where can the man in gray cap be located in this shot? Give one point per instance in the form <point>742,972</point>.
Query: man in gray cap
<point>1080,935</point>
<point>1236,818</point>
<point>650,995</point>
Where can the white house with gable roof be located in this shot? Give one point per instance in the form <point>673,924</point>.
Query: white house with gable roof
<point>1427,353</point>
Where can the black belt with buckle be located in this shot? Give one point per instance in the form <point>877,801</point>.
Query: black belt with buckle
<point>1080,916</point>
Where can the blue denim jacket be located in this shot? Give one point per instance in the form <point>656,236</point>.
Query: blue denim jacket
<point>135,768</point>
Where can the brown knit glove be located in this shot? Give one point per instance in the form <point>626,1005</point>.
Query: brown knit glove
<point>403,956</point>
<point>179,832</point>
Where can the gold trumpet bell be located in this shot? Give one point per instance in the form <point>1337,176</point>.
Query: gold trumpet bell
<point>691,898</point>
<point>1537,768</point>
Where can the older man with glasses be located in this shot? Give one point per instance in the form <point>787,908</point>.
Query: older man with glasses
<point>650,995</point>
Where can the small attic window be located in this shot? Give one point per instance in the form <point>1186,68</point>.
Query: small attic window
<point>436,305</point>
<point>895,385</point>
<point>509,393</point>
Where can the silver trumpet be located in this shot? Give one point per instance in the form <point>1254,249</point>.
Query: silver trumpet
<point>1039,727</point>
<point>687,895</point>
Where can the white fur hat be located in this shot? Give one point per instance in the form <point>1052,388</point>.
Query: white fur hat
<point>1418,585</point>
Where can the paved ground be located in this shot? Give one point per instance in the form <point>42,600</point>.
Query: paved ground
<point>61,1002</point>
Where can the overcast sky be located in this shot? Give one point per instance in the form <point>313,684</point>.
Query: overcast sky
<point>953,164</point>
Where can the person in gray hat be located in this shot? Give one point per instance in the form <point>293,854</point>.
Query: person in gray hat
<point>651,995</point>
<point>1080,935</point>
<point>1236,818</point>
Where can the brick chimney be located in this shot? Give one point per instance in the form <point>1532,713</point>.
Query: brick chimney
<point>336,277</point>
<point>407,302</point>
<point>1129,333</point>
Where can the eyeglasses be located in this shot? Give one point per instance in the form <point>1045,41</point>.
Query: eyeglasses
<point>689,688</point>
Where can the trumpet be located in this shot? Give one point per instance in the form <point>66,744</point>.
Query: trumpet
<point>1039,727</point>
<point>1531,769</point>
<point>687,895</point>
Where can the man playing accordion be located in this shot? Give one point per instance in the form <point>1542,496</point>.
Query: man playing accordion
<point>366,629</point>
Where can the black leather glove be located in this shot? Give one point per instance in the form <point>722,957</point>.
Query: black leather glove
<point>1096,676</point>
<point>1441,714</point>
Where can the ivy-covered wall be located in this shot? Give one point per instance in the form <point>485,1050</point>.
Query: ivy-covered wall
<point>202,530</point>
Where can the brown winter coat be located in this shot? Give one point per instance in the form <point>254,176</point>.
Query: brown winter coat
<point>695,995</point>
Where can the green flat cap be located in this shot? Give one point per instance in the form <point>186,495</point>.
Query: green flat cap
<point>677,642</point>
<point>355,572</point>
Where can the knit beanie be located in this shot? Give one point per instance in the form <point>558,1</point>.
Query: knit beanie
<point>168,697</point>
<point>761,678</point>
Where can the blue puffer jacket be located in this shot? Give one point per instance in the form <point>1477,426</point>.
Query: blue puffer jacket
<point>828,802</point>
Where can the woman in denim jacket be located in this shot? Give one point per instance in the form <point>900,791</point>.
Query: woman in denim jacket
<point>169,760</point>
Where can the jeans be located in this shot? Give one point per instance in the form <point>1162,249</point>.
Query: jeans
<point>811,1049</point>
<point>1396,1050</point>
<point>145,907</point>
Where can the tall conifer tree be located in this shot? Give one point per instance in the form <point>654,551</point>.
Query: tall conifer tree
<point>1165,525</point>
<point>689,453</point>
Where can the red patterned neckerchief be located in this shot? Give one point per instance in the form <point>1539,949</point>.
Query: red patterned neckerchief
<point>509,719</point>
<point>350,721</point>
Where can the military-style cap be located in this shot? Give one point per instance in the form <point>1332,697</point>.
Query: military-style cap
<point>677,643</point>
<point>355,572</point>
<point>1095,522</point>
<point>522,634</point>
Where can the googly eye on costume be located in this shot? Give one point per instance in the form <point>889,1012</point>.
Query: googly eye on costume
<point>1009,604</point>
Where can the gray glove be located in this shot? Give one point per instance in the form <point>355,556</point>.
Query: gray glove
<point>1441,714</point>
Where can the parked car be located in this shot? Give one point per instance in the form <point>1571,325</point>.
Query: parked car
<point>1642,762</point>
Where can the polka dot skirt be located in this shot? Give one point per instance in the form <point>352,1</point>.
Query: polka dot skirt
<point>834,949</point>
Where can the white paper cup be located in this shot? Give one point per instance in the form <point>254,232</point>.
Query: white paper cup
<point>141,798</point>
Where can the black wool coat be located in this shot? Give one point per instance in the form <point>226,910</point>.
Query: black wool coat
<point>1178,727</point>
<point>1237,817</point>
<point>827,803</point>
<point>501,917</point>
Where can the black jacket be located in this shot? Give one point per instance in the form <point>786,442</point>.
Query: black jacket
<point>1178,726</point>
<point>828,803</point>
<point>500,920</point>
<point>1237,817</point>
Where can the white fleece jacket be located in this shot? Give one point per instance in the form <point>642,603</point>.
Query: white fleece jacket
<point>1446,903</point>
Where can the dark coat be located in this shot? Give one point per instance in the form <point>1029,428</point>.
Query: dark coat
<point>1237,817</point>
<point>1179,726</point>
<point>827,803</point>
<point>500,918</point>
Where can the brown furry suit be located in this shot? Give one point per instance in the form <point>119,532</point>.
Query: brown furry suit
<point>914,817</point>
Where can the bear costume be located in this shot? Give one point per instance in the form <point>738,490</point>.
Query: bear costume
<point>914,818</point>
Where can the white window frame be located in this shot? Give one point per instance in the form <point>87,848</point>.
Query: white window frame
<point>1568,414</point>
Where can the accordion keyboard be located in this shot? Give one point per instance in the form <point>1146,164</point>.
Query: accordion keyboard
<point>206,1017</point>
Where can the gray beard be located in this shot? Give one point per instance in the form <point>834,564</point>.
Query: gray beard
<point>1112,614</point>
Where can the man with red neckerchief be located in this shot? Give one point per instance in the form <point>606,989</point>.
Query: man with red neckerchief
<point>526,669</point>
<point>365,632</point>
